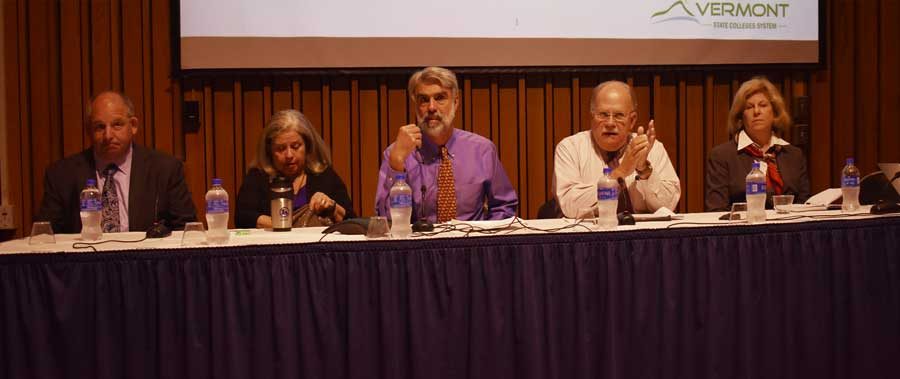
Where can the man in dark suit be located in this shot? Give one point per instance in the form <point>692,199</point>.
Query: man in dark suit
<point>135,181</point>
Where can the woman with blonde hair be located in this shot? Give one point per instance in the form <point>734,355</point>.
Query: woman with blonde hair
<point>756,121</point>
<point>290,147</point>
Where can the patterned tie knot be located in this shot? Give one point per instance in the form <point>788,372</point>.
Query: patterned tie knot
<point>110,170</point>
<point>612,159</point>
<point>774,181</point>
<point>445,154</point>
<point>770,154</point>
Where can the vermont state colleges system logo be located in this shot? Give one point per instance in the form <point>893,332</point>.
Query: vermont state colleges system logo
<point>725,14</point>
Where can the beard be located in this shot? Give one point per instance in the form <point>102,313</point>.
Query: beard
<point>445,121</point>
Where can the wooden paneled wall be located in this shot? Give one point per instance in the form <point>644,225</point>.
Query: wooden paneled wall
<point>525,115</point>
<point>57,53</point>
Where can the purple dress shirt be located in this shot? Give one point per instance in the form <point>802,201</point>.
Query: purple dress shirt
<point>478,175</point>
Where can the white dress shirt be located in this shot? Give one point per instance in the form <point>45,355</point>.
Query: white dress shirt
<point>578,167</point>
<point>743,140</point>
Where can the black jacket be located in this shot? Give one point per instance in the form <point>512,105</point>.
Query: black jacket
<point>727,169</point>
<point>253,197</point>
<point>154,176</point>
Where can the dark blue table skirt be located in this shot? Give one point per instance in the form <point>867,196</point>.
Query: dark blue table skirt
<point>817,300</point>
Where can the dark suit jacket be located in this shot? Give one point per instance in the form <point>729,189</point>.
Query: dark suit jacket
<point>154,175</point>
<point>727,169</point>
<point>253,197</point>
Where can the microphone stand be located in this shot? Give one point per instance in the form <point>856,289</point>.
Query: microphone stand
<point>421,225</point>
<point>158,229</point>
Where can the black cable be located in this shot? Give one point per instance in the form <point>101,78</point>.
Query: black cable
<point>810,210</point>
<point>841,215</point>
<point>90,245</point>
<point>736,222</point>
<point>469,229</point>
<point>787,218</point>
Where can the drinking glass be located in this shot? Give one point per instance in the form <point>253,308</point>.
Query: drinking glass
<point>41,233</point>
<point>194,234</point>
<point>378,228</point>
<point>783,203</point>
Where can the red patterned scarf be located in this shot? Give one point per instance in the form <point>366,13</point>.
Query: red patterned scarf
<point>773,176</point>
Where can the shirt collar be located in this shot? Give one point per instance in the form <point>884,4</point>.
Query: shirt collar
<point>432,152</point>
<point>607,156</point>
<point>744,140</point>
<point>123,163</point>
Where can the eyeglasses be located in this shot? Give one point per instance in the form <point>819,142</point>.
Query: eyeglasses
<point>440,99</point>
<point>618,117</point>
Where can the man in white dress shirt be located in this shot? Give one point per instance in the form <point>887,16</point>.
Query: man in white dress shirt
<point>640,163</point>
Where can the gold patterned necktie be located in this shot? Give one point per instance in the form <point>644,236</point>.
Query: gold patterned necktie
<point>446,201</point>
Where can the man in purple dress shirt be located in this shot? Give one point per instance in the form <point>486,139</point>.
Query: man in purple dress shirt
<point>483,191</point>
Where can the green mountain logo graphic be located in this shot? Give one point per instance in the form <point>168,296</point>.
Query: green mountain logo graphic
<point>677,11</point>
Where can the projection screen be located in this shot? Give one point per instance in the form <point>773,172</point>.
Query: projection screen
<point>267,34</point>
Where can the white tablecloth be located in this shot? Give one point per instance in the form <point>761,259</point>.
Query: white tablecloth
<point>240,237</point>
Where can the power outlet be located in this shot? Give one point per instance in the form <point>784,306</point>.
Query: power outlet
<point>7,221</point>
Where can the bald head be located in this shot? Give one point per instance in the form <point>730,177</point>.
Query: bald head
<point>112,125</point>
<point>617,89</point>
<point>109,98</point>
<point>613,114</point>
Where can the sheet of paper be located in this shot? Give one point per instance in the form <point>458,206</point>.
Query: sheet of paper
<point>661,214</point>
<point>825,197</point>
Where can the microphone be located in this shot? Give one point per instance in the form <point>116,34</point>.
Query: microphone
<point>422,224</point>
<point>158,229</point>
<point>625,218</point>
<point>884,207</point>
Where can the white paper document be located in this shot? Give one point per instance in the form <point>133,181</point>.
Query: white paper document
<point>825,197</point>
<point>661,214</point>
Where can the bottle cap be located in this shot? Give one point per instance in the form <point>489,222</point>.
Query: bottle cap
<point>850,161</point>
<point>217,182</point>
<point>607,171</point>
<point>92,182</point>
<point>400,176</point>
<point>756,165</point>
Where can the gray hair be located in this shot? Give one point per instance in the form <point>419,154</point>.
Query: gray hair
<point>434,75</point>
<point>318,156</point>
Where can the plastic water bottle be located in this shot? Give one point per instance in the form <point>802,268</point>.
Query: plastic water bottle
<point>401,207</point>
<point>607,201</point>
<point>91,211</point>
<point>217,213</point>
<point>756,195</point>
<point>850,187</point>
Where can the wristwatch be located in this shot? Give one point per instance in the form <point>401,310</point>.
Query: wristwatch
<point>645,173</point>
